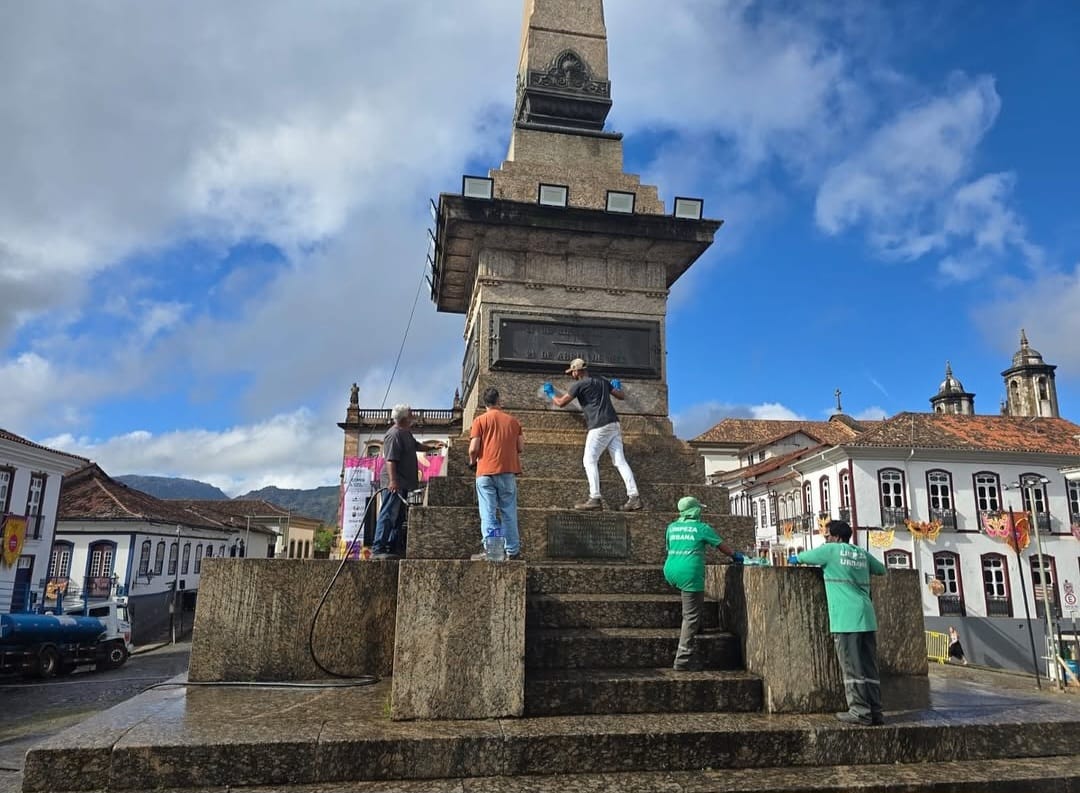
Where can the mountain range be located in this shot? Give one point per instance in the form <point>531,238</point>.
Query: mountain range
<point>319,502</point>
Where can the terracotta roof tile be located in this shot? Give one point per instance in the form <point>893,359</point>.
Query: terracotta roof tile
<point>975,433</point>
<point>766,466</point>
<point>744,432</point>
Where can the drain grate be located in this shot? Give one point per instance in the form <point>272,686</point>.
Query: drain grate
<point>573,535</point>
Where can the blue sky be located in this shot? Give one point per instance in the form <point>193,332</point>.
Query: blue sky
<point>212,217</point>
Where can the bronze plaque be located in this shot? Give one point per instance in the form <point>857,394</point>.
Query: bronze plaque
<point>619,347</point>
<point>574,535</point>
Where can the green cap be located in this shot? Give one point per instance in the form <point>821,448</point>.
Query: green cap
<point>689,502</point>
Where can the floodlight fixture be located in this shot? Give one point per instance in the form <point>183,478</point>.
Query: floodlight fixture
<point>481,187</point>
<point>553,195</point>
<point>621,203</point>
<point>689,208</point>
<point>433,209</point>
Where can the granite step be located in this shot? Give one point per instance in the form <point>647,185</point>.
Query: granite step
<point>583,691</point>
<point>454,533</point>
<point>624,648</point>
<point>552,578</point>
<point>1058,774</point>
<point>534,491</point>
<point>612,611</point>
<point>170,738</point>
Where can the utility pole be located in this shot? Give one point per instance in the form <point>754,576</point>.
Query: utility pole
<point>1023,590</point>
<point>176,588</point>
<point>1027,487</point>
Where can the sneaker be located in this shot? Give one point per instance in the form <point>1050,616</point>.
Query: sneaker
<point>478,557</point>
<point>515,557</point>
<point>877,719</point>
<point>590,503</point>
<point>850,718</point>
<point>633,504</point>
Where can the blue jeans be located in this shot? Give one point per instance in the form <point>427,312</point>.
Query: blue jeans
<point>388,525</point>
<point>499,491</point>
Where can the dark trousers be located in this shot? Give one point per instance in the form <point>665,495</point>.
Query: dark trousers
<point>692,605</point>
<point>857,653</point>
<point>388,535</point>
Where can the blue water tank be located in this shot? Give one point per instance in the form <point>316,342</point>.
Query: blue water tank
<point>22,629</point>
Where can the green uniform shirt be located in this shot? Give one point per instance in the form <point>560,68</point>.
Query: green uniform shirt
<point>685,565</point>
<point>847,569</point>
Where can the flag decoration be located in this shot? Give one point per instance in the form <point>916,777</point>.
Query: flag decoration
<point>823,526</point>
<point>14,533</point>
<point>1076,530</point>
<point>922,530</point>
<point>882,538</point>
<point>789,529</point>
<point>1012,528</point>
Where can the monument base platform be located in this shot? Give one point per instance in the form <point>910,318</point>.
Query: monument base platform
<point>961,729</point>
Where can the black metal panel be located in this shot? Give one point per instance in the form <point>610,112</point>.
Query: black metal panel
<point>470,367</point>
<point>626,348</point>
<point>576,535</point>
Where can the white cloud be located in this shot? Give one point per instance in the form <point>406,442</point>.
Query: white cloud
<point>871,414</point>
<point>295,450</point>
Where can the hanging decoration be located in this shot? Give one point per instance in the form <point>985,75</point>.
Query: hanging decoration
<point>1014,529</point>
<point>882,538</point>
<point>1076,529</point>
<point>921,530</point>
<point>14,533</point>
<point>788,527</point>
<point>823,526</point>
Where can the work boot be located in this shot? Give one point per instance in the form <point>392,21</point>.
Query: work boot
<point>633,504</point>
<point>590,503</point>
<point>850,718</point>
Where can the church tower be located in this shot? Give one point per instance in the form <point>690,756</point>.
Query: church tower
<point>1029,384</point>
<point>951,396</point>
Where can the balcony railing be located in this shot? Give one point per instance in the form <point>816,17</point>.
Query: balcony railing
<point>951,606</point>
<point>845,514</point>
<point>893,516</point>
<point>34,525</point>
<point>946,516</point>
<point>998,607</point>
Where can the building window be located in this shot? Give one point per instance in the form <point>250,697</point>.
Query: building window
<point>845,496</point>
<point>995,570</point>
<point>186,559</point>
<point>1035,501</point>
<point>144,558</point>
<point>1044,585</point>
<point>209,550</point>
<point>174,557</point>
<point>60,560</point>
<point>896,559</point>
<point>222,550</point>
<point>940,495</point>
<point>763,510</point>
<point>34,499</point>
<point>807,491</point>
<point>159,557</point>
<point>7,476</point>
<point>826,500</point>
<point>987,492</point>
<point>307,549</point>
<point>101,559</point>
<point>947,571</point>
<point>292,543</point>
<point>198,558</point>
<point>1074,502</point>
<point>891,487</point>
<point>1044,394</point>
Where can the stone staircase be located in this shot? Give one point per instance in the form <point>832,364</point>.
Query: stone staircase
<point>601,639</point>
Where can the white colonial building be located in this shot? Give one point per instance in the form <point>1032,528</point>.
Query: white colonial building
<point>951,466</point>
<point>30,478</point>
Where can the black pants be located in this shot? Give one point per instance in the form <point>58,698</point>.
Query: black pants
<point>857,653</point>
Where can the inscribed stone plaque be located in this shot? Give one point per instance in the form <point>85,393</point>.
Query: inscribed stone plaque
<point>577,536</point>
<point>628,348</point>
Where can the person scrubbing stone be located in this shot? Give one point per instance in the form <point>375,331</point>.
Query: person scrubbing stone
<point>685,570</point>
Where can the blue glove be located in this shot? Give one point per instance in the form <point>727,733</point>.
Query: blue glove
<point>738,557</point>
<point>793,559</point>
<point>549,390</point>
<point>616,384</point>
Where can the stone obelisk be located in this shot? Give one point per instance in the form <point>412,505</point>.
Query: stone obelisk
<point>541,283</point>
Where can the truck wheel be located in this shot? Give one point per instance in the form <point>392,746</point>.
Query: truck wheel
<point>47,662</point>
<point>114,657</point>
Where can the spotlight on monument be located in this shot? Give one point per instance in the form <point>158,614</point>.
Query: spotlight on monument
<point>622,203</point>
<point>689,208</point>
<point>553,195</point>
<point>433,244</point>
<point>433,209</point>
<point>478,187</point>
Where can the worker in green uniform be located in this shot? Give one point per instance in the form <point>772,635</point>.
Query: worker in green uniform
<point>685,570</point>
<point>847,569</point>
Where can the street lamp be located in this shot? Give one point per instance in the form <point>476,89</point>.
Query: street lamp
<point>1027,484</point>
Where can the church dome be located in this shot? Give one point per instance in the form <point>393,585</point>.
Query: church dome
<point>950,385</point>
<point>1026,355</point>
